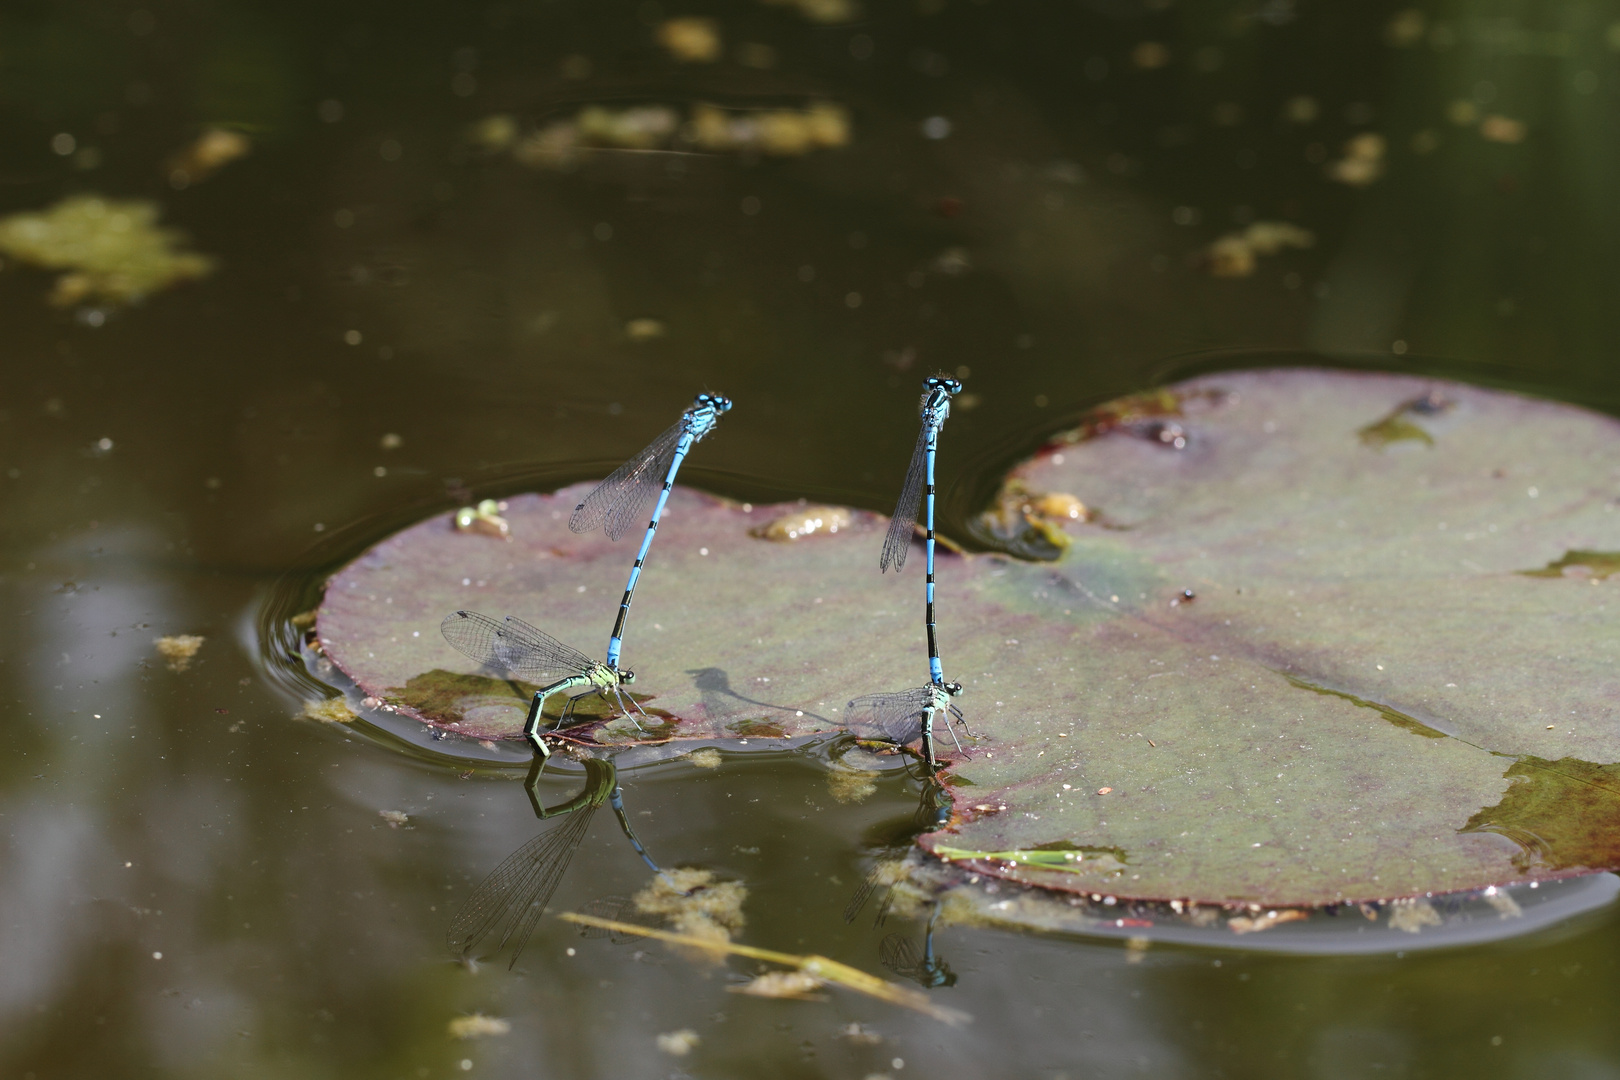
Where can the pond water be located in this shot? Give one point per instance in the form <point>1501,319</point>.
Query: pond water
<point>458,251</point>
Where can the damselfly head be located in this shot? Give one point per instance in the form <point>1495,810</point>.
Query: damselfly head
<point>940,382</point>
<point>714,401</point>
<point>627,676</point>
<point>952,688</point>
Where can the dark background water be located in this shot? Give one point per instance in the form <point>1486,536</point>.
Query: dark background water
<point>379,272</point>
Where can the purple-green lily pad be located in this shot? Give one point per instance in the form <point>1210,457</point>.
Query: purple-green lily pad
<point>1297,654</point>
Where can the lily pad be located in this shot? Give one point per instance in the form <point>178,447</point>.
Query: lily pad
<point>1278,661</point>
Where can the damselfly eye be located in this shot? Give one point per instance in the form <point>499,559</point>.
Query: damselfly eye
<point>953,688</point>
<point>627,676</point>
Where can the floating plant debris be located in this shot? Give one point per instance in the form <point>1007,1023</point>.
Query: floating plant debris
<point>109,251</point>
<point>178,650</point>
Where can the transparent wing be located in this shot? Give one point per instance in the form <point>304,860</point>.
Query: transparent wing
<point>863,892</point>
<point>899,954</point>
<point>515,894</point>
<point>903,526</point>
<point>619,501</point>
<point>882,874</point>
<point>620,909</point>
<point>895,716</point>
<point>512,644</point>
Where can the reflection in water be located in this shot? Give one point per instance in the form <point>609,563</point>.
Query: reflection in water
<point>515,894</point>
<point>897,951</point>
<point>900,956</point>
<point>619,909</point>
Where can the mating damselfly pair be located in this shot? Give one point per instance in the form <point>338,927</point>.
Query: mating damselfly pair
<point>511,899</point>
<point>525,651</point>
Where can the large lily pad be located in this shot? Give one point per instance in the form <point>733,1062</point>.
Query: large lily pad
<point>1324,637</point>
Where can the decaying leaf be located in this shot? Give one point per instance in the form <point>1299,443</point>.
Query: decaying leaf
<point>177,650</point>
<point>215,148</point>
<point>484,518</point>
<point>799,985</point>
<point>1244,924</point>
<point>1363,160</point>
<point>332,710</point>
<point>679,1043</point>
<point>477,1026</point>
<point>1412,915</point>
<point>1237,254</point>
<point>821,11</point>
<point>779,132</point>
<point>691,39</point>
<point>806,521</point>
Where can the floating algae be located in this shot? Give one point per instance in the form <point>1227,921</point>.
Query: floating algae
<point>178,649</point>
<point>782,132</point>
<point>1237,254</point>
<point>112,251</point>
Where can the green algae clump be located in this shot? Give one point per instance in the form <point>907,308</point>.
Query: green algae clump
<point>113,251</point>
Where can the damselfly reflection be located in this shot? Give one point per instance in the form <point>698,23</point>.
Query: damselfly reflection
<point>898,952</point>
<point>933,811</point>
<point>619,909</point>
<point>510,901</point>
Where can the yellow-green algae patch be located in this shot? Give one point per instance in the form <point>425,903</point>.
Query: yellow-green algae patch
<point>111,251</point>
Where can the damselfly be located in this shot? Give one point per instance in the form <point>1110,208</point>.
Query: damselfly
<point>512,898</point>
<point>620,499</point>
<point>905,715</point>
<point>524,651</point>
<point>935,409</point>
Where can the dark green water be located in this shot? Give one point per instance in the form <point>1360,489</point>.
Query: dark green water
<point>193,883</point>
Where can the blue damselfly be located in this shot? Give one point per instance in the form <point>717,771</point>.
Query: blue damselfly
<point>935,409</point>
<point>620,499</point>
<point>524,650</point>
<point>904,715</point>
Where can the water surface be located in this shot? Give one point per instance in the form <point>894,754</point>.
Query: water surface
<point>193,882</point>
